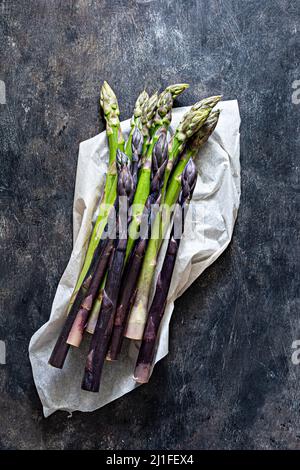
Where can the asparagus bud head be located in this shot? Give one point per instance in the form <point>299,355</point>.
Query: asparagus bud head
<point>109,104</point>
<point>191,123</point>
<point>137,144</point>
<point>150,107</point>
<point>163,113</point>
<point>188,181</point>
<point>205,131</point>
<point>159,161</point>
<point>125,180</point>
<point>148,112</point>
<point>140,102</point>
<point>177,89</point>
<point>209,102</point>
<point>160,151</point>
<point>194,119</point>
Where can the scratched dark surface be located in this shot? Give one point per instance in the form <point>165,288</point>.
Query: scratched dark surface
<point>228,382</point>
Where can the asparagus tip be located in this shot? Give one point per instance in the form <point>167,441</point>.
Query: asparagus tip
<point>209,102</point>
<point>138,107</point>
<point>121,159</point>
<point>188,181</point>
<point>177,89</point>
<point>137,142</point>
<point>106,89</point>
<point>144,95</point>
<point>205,132</point>
<point>160,150</point>
<point>125,179</point>
<point>109,104</point>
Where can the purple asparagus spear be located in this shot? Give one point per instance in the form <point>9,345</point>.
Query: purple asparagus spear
<point>147,348</point>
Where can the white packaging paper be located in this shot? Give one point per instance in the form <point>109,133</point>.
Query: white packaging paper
<point>216,199</point>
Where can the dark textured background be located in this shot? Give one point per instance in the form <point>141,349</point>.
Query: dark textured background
<point>228,381</point>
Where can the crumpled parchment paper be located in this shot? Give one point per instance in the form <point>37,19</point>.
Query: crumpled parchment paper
<point>216,200</point>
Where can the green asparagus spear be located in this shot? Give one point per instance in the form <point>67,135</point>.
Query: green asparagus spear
<point>161,119</point>
<point>191,122</point>
<point>138,314</point>
<point>110,107</point>
<point>109,103</point>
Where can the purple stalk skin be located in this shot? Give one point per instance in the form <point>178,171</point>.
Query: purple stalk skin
<point>137,149</point>
<point>128,288</point>
<point>101,337</point>
<point>147,349</point>
<point>77,330</point>
<point>61,348</point>
<point>134,265</point>
<point>157,309</point>
<point>126,299</point>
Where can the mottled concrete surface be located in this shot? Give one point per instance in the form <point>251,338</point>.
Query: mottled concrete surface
<point>228,382</point>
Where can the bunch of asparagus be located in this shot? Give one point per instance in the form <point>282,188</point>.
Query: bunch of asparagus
<point>150,182</point>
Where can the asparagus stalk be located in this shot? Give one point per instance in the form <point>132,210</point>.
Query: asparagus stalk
<point>139,310</point>
<point>133,267</point>
<point>101,336</point>
<point>137,144</point>
<point>61,347</point>
<point>92,320</point>
<point>194,145</point>
<point>157,309</point>
<point>109,103</point>
<point>76,333</point>
<point>148,110</point>
<point>77,330</point>
<point>110,107</point>
<point>143,118</point>
<point>191,122</point>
